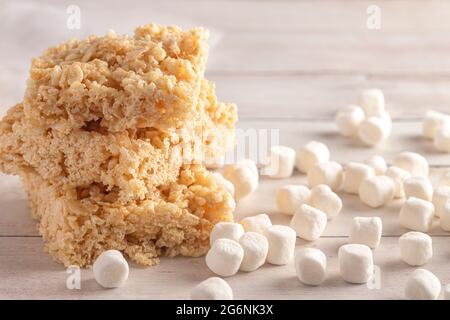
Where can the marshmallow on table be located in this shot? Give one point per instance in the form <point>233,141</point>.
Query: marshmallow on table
<point>292,196</point>
<point>349,119</point>
<point>244,176</point>
<point>280,163</point>
<point>432,122</point>
<point>213,288</point>
<point>110,269</point>
<point>311,266</point>
<point>442,139</point>
<point>226,230</point>
<point>373,130</point>
<point>324,199</point>
<point>419,187</point>
<point>220,179</point>
<point>445,217</point>
<point>258,223</point>
<point>366,230</point>
<point>422,285</point>
<point>445,179</point>
<point>412,162</point>
<point>355,173</point>
<point>440,197</point>
<point>255,247</point>
<point>417,214</point>
<point>377,163</point>
<point>376,191</point>
<point>308,222</point>
<point>398,176</point>
<point>416,248</point>
<point>281,244</point>
<point>372,102</point>
<point>312,153</point>
<point>329,173</point>
<point>355,263</point>
<point>225,257</point>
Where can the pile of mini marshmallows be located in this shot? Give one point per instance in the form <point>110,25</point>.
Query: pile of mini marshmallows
<point>370,122</point>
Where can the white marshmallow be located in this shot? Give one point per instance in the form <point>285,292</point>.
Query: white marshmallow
<point>215,163</point>
<point>324,199</point>
<point>309,223</point>
<point>281,244</point>
<point>440,197</point>
<point>386,117</point>
<point>329,173</point>
<point>416,248</point>
<point>244,176</point>
<point>447,292</point>
<point>349,119</point>
<point>376,191</point>
<point>419,187</point>
<point>373,130</point>
<point>258,223</point>
<point>312,153</point>
<point>398,176</point>
<point>220,179</point>
<point>292,196</point>
<point>412,162</point>
<point>445,217</point>
<point>422,285</point>
<point>281,161</point>
<point>417,214</point>
<point>378,164</point>
<point>225,257</point>
<point>213,288</point>
<point>355,263</point>
<point>226,230</point>
<point>442,139</point>
<point>311,266</point>
<point>445,179</point>
<point>355,173</point>
<point>372,102</point>
<point>366,230</point>
<point>110,269</point>
<point>255,247</point>
<point>432,122</point>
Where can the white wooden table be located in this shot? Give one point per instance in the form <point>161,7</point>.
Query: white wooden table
<point>289,65</point>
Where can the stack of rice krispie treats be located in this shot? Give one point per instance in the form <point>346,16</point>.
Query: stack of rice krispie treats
<point>109,142</point>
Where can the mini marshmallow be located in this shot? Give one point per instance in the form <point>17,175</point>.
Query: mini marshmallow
<point>226,230</point>
<point>419,187</point>
<point>440,197</point>
<point>442,139</point>
<point>308,222</point>
<point>445,179</point>
<point>310,154</point>
<point>213,288</point>
<point>445,217</point>
<point>417,214</point>
<point>386,117</point>
<point>373,130</point>
<point>376,191</point>
<point>349,119</point>
<point>412,162</point>
<point>225,257</point>
<point>311,266</point>
<point>355,263</point>
<point>422,285</point>
<point>416,248</point>
<point>372,102</point>
<point>366,230</point>
<point>281,244</point>
<point>244,176</point>
<point>255,247</point>
<point>378,164</point>
<point>355,173</point>
<point>110,269</point>
<point>258,223</point>
<point>281,162</point>
<point>324,199</point>
<point>220,179</point>
<point>290,197</point>
<point>398,176</point>
<point>329,173</point>
<point>432,122</point>
<point>447,292</point>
